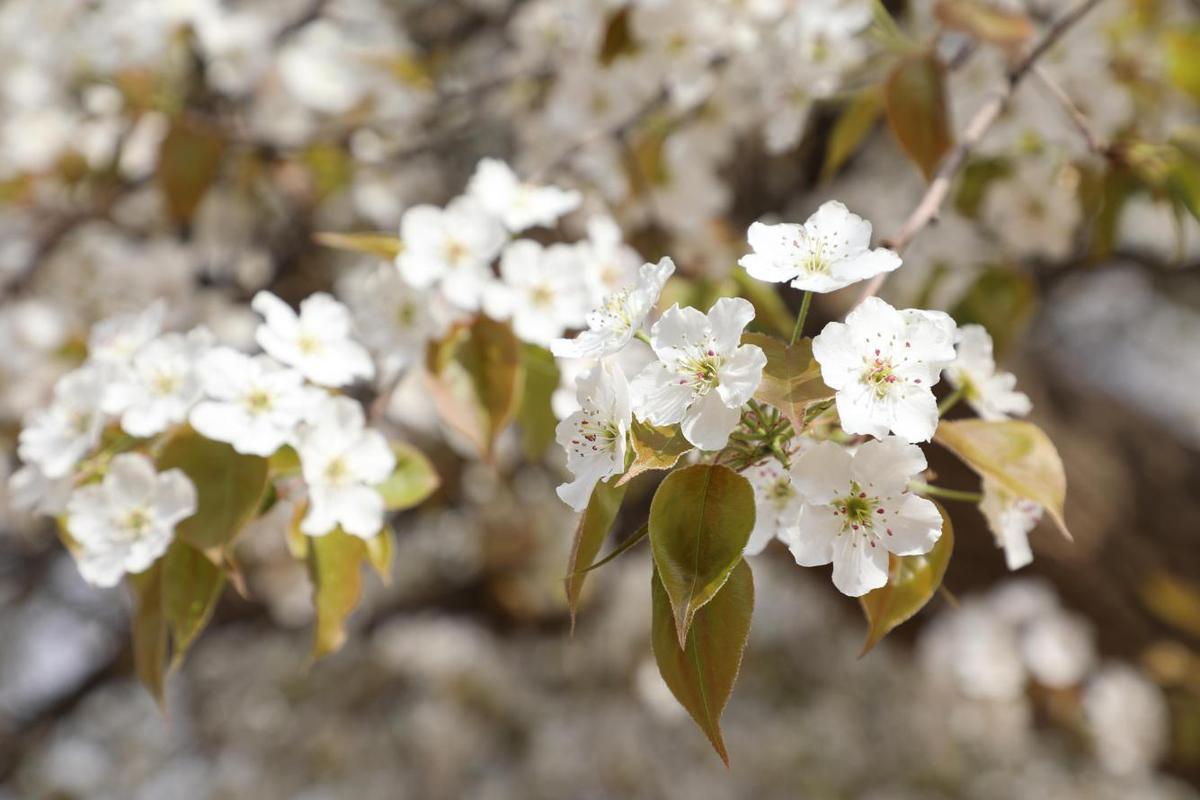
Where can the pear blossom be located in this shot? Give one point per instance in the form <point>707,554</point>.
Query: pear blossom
<point>256,404</point>
<point>451,248</point>
<point>856,508</point>
<point>116,339</point>
<point>542,291</point>
<point>619,318</point>
<point>56,438</point>
<point>1128,720</point>
<point>608,263</point>
<point>316,341</point>
<point>883,363</point>
<point>125,522</point>
<point>31,490</point>
<point>703,376</point>
<point>776,503</point>
<point>158,387</point>
<point>632,359</point>
<point>342,462</point>
<point>829,251</point>
<point>1059,648</point>
<point>595,436</point>
<point>1010,519</point>
<point>518,205</point>
<point>992,394</point>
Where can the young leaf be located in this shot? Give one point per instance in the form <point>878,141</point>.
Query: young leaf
<point>373,244</point>
<point>1183,68</point>
<point>1015,454</point>
<point>853,126</point>
<point>654,448</point>
<point>792,378</point>
<point>593,529</point>
<point>1004,27</point>
<point>915,95</point>
<point>334,562</point>
<point>189,160</point>
<point>477,378</point>
<point>535,414</point>
<point>381,551</point>
<point>700,521</point>
<point>411,482</point>
<point>149,631</point>
<point>229,487</point>
<point>191,587</point>
<point>701,675</point>
<point>912,582</point>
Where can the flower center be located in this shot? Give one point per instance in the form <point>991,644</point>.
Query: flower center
<point>164,383</point>
<point>308,344</point>
<point>857,510</point>
<point>702,371</point>
<point>879,374</point>
<point>456,252</point>
<point>541,296</point>
<point>814,261</point>
<point>337,471</point>
<point>593,437</point>
<point>258,401</point>
<point>136,523</point>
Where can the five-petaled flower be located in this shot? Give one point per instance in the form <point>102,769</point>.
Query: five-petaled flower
<point>829,251</point>
<point>883,363</point>
<point>317,341</point>
<point>595,436</point>
<point>517,204</point>
<point>342,462</point>
<point>126,521</point>
<point>451,248</point>
<point>159,385</point>
<point>541,290</point>
<point>620,317</point>
<point>856,508</point>
<point>992,394</point>
<point>56,438</point>
<point>703,375</point>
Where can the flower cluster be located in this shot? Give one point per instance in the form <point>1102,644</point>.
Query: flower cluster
<point>91,453</point>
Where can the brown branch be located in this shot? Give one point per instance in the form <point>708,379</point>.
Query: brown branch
<point>1094,142</point>
<point>930,204</point>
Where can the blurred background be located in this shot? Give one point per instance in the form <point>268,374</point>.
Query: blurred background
<point>190,149</point>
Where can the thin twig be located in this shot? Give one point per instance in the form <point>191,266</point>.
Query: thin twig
<point>1094,142</point>
<point>930,204</point>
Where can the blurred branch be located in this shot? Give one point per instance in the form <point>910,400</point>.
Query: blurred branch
<point>314,11</point>
<point>930,204</point>
<point>1094,142</point>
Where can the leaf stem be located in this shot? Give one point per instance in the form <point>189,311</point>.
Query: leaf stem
<point>800,316</point>
<point>950,401</point>
<point>945,494</point>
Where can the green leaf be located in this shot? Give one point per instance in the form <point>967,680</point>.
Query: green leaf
<point>334,562</point>
<point>593,529</point>
<point>284,462</point>
<point>229,487</point>
<point>192,585</point>
<point>915,95</point>
<point>792,378</point>
<point>477,376</point>
<point>1181,46</point>
<point>1004,27</point>
<point>189,160</point>
<point>912,582</point>
<point>702,673</point>
<point>381,551</point>
<point>1015,454</point>
<point>700,521</point>
<point>373,244</point>
<point>412,481</point>
<point>654,448</point>
<point>535,414</point>
<point>855,122</point>
<point>149,630</point>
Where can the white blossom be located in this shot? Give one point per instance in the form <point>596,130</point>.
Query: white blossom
<point>56,438</point>
<point>619,318</point>
<point>518,205</point>
<point>1011,519</point>
<point>608,263</point>
<point>125,522</point>
<point>857,509</point>
<point>829,251</point>
<point>342,462</point>
<point>1058,648</point>
<point>541,290</point>
<point>992,394</point>
<point>1128,720</point>
<point>316,341</point>
<point>595,435</point>
<point>451,248</point>
<point>116,339</point>
<point>159,385</point>
<point>883,364</point>
<point>776,504</point>
<point>256,405</point>
<point>703,375</point>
